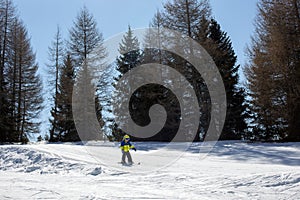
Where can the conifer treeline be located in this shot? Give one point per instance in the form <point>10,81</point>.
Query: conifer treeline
<point>271,111</point>
<point>192,18</point>
<point>20,85</point>
<point>71,62</point>
<point>273,72</point>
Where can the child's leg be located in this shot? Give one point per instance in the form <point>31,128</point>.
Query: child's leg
<point>123,156</point>
<point>129,157</point>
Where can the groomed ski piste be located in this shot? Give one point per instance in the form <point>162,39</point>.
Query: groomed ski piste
<point>232,170</point>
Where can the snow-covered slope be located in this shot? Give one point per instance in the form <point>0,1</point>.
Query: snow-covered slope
<point>233,170</point>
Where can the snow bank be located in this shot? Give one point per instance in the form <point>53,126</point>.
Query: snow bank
<point>24,159</point>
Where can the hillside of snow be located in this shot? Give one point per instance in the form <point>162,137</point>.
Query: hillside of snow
<point>232,170</point>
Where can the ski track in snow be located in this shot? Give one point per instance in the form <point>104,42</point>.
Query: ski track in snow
<point>233,170</point>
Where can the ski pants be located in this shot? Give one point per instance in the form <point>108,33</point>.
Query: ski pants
<point>126,154</point>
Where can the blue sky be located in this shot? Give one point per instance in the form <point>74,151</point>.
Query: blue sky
<point>113,16</point>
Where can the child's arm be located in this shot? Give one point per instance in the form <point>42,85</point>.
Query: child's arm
<point>132,147</point>
<point>122,145</point>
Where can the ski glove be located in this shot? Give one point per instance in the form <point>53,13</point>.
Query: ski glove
<point>134,149</point>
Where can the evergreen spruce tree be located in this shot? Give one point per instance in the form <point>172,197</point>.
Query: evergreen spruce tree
<point>85,108</point>
<point>154,93</point>
<point>103,100</point>
<point>85,40</point>
<point>183,16</point>
<point>130,57</point>
<point>65,129</point>
<point>86,47</point>
<point>193,18</point>
<point>56,53</point>
<point>130,52</point>
<point>220,48</point>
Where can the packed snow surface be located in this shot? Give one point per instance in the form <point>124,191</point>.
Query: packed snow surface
<point>232,170</point>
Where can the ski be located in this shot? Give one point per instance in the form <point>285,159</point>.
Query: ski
<point>128,164</point>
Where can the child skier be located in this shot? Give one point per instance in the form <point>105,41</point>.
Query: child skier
<point>125,147</point>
